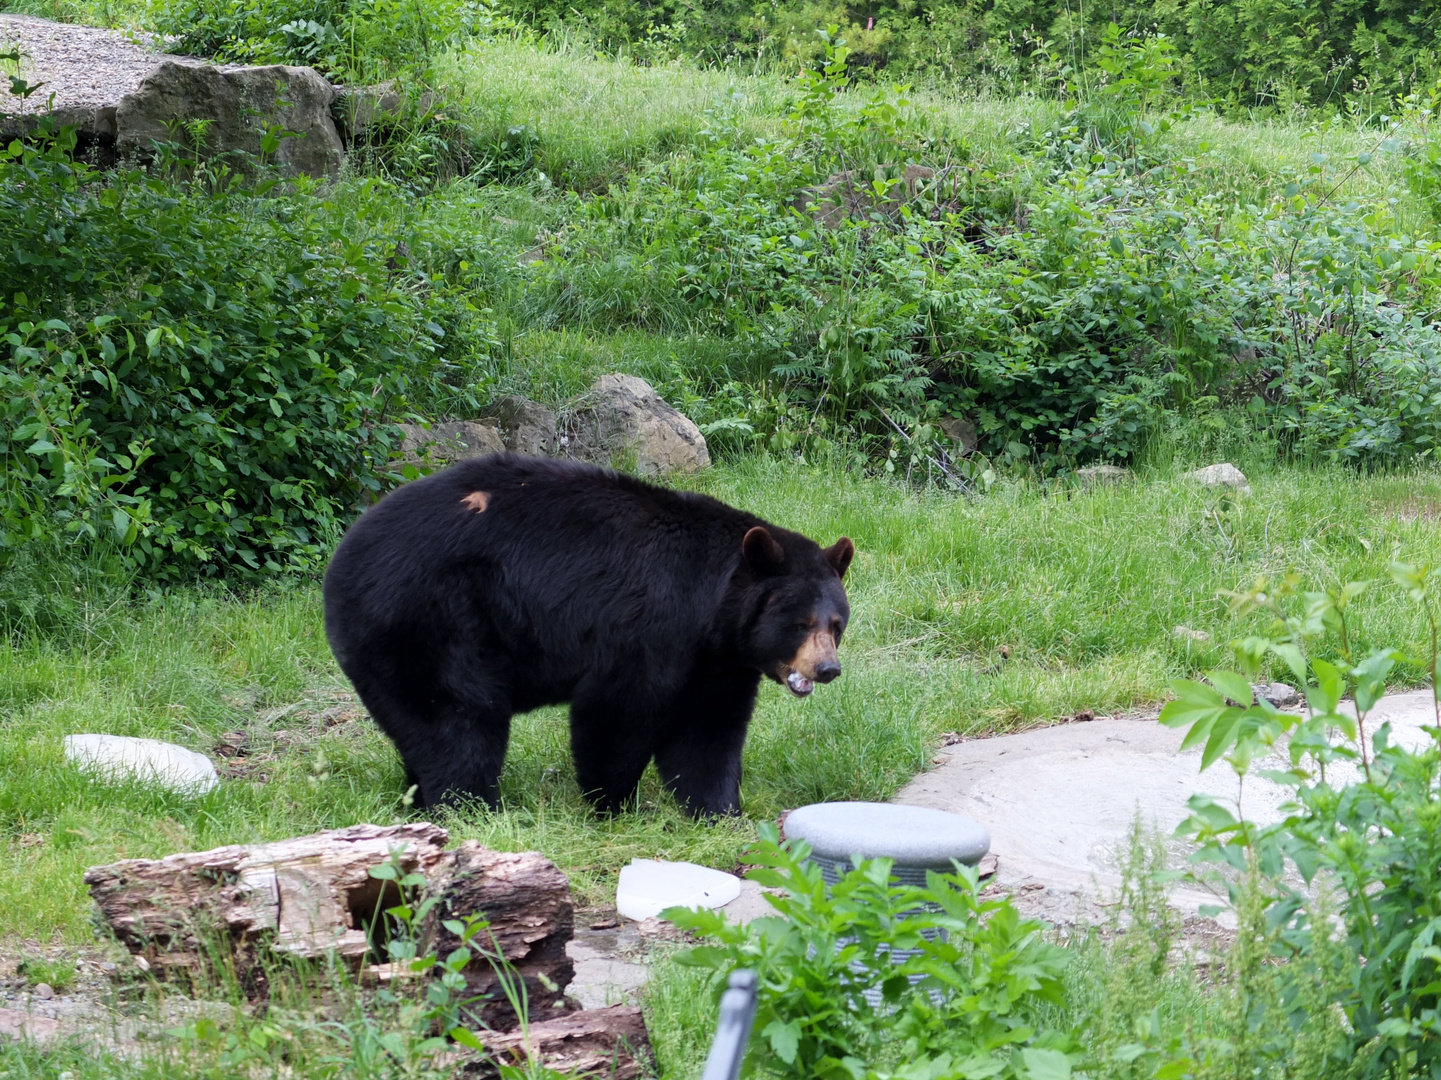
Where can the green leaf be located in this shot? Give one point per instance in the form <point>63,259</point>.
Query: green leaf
<point>1329,689</point>
<point>1295,660</point>
<point>1216,817</point>
<point>467,1038</point>
<point>1045,1064</point>
<point>1370,677</point>
<point>785,1039</point>
<point>1223,736</point>
<point>1234,685</point>
<point>1178,1069</point>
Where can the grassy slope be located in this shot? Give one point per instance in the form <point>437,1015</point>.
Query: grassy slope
<point>1084,589</point>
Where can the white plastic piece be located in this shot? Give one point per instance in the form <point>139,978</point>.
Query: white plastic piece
<point>649,886</point>
<point>120,757</point>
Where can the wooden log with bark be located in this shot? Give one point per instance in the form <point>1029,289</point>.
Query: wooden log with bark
<point>528,904</point>
<point>609,1042</point>
<point>314,895</point>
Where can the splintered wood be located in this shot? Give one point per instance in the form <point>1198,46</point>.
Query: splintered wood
<point>314,896</point>
<point>611,1042</point>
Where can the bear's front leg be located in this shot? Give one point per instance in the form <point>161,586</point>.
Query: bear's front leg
<point>700,757</point>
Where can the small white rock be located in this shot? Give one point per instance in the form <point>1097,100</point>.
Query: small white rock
<point>44,991</point>
<point>1223,475</point>
<point>649,886</point>
<point>120,757</point>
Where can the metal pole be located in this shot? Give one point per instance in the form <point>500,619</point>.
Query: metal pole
<point>733,1031</point>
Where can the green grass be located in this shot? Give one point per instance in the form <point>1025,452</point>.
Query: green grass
<point>597,117</point>
<point>113,14</point>
<point>1082,588</point>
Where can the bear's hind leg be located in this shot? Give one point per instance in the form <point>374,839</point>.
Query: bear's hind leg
<point>459,756</point>
<point>452,750</point>
<point>700,760</point>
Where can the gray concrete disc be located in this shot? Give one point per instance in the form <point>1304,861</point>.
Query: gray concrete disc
<point>914,836</point>
<point>1060,801</point>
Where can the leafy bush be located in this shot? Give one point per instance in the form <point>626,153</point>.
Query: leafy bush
<point>1065,302</point>
<point>832,1001</point>
<point>206,377</point>
<point>1362,823</point>
<point>1264,53</point>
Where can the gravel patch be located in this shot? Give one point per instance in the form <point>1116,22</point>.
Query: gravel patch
<point>84,67</point>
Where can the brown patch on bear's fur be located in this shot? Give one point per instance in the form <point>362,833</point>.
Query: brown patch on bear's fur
<point>477,501</point>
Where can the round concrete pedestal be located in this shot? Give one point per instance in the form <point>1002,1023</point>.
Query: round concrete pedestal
<point>915,837</point>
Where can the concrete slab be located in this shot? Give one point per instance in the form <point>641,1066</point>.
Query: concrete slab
<point>1060,801</point>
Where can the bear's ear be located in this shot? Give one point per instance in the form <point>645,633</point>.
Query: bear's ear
<point>762,550</point>
<point>839,555</point>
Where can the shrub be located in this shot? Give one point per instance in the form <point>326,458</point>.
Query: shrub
<point>1373,839</point>
<point>206,376</point>
<point>1065,303</point>
<point>832,1003</point>
<point>1268,53</point>
<point>352,40</point>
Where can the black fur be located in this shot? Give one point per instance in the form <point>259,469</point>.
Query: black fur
<point>632,602</point>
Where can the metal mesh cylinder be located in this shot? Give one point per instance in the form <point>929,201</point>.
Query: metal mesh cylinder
<point>832,870</point>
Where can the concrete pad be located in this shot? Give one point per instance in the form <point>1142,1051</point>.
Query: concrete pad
<point>15,1024</point>
<point>750,904</point>
<point>1060,801</point>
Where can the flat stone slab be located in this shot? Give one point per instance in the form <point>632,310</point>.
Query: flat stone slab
<point>15,1024</point>
<point>914,836</point>
<point>649,886</point>
<point>121,757</point>
<point>1060,801</point>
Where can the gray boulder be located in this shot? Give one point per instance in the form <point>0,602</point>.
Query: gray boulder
<point>526,426</point>
<point>356,109</point>
<point>441,444</point>
<point>239,103</point>
<point>622,420</point>
<point>1223,475</point>
<point>962,431</point>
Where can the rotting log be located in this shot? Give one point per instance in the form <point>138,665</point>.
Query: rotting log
<point>527,901</point>
<point>305,897</point>
<point>609,1043</point>
<point>313,896</point>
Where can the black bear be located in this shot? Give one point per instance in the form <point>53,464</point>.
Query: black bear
<point>506,583</point>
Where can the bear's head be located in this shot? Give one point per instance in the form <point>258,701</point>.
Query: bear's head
<point>796,608</point>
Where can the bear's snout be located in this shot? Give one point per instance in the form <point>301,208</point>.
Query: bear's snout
<point>815,662</point>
